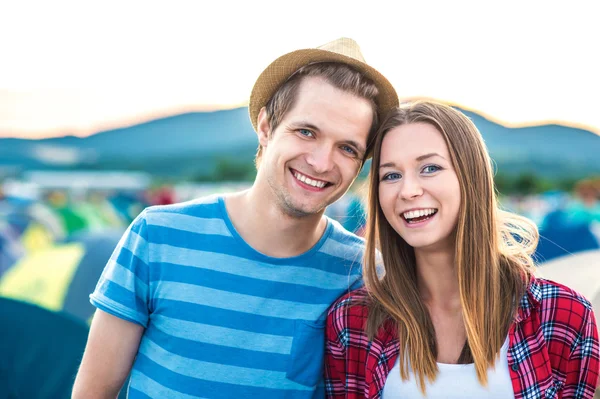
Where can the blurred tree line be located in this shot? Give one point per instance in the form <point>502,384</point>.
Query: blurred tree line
<point>529,183</point>
<point>231,170</point>
<point>227,170</point>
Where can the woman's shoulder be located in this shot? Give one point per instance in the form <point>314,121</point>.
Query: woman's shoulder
<point>349,311</point>
<point>560,307</point>
<point>550,293</point>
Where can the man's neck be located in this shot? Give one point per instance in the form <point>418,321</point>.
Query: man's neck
<point>270,231</point>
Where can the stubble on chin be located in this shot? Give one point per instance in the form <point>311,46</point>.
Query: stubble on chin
<point>289,206</point>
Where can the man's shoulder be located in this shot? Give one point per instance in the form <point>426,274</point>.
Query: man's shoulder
<point>202,215</point>
<point>341,246</point>
<point>191,207</point>
<point>343,236</point>
<point>199,208</point>
<point>341,241</point>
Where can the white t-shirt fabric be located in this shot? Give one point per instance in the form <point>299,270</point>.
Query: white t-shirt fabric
<point>454,381</point>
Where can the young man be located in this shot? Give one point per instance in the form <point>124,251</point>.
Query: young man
<point>224,297</point>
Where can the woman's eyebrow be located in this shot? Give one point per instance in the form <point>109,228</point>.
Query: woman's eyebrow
<point>431,154</point>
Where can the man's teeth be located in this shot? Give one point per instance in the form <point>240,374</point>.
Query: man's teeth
<point>310,182</point>
<point>418,213</point>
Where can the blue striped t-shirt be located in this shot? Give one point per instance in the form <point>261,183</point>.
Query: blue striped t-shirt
<point>223,320</point>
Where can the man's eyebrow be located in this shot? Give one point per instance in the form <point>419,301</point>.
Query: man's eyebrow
<point>303,125</point>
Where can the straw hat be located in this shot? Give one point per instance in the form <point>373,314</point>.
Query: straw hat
<point>342,50</point>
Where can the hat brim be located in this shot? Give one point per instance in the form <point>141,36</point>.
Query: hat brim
<point>283,67</point>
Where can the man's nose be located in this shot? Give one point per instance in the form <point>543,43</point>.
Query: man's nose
<point>321,159</point>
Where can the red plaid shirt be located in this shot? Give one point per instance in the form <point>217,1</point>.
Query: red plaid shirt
<point>553,347</point>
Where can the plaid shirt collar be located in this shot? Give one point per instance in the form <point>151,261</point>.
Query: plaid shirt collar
<point>531,300</point>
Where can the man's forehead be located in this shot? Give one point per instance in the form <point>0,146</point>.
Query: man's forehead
<point>323,106</point>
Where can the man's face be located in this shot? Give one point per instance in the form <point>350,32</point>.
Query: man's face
<point>315,153</point>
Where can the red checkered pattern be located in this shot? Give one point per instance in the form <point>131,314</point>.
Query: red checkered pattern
<point>553,347</point>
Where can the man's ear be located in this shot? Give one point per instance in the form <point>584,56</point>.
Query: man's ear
<point>263,127</point>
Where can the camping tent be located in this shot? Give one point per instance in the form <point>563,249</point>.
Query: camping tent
<point>61,276</point>
<point>40,351</point>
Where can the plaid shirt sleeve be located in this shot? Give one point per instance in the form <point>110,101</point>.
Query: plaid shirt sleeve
<point>555,349</point>
<point>346,349</point>
<point>583,364</point>
<point>335,366</point>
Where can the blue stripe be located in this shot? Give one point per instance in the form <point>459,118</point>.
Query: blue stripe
<point>123,295</point>
<point>173,223</point>
<point>245,285</point>
<point>215,372</point>
<point>153,389</point>
<point>343,250</point>
<point>127,279</point>
<point>223,336</point>
<point>126,257</point>
<point>238,302</point>
<point>209,389</point>
<point>118,310</point>
<point>327,258</point>
<point>225,318</point>
<point>307,276</point>
<point>218,353</point>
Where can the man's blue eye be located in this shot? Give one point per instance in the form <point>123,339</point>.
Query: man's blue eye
<point>305,132</point>
<point>349,150</point>
<point>431,168</point>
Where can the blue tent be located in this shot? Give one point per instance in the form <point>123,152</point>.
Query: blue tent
<point>560,236</point>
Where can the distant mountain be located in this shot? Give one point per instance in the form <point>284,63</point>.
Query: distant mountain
<point>192,144</point>
<point>545,150</point>
<point>180,145</point>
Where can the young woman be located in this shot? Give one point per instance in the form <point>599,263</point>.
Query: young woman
<point>454,309</point>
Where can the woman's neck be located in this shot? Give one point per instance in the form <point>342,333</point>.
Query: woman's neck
<point>437,279</point>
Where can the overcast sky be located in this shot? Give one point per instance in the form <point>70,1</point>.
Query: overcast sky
<point>76,67</point>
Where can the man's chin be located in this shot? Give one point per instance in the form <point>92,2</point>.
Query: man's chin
<point>303,211</point>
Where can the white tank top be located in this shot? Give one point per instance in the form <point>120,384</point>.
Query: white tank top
<point>454,381</point>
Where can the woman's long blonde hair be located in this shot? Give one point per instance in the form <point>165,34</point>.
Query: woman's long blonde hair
<point>492,253</point>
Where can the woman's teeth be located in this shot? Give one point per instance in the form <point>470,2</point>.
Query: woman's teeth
<point>418,215</point>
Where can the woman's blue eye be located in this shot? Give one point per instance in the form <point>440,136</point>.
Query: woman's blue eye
<point>392,176</point>
<point>305,132</point>
<point>431,168</point>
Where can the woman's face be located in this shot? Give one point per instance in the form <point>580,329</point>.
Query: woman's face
<point>419,191</point>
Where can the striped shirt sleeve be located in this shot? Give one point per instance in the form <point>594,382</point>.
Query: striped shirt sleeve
<point>123,288</point>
